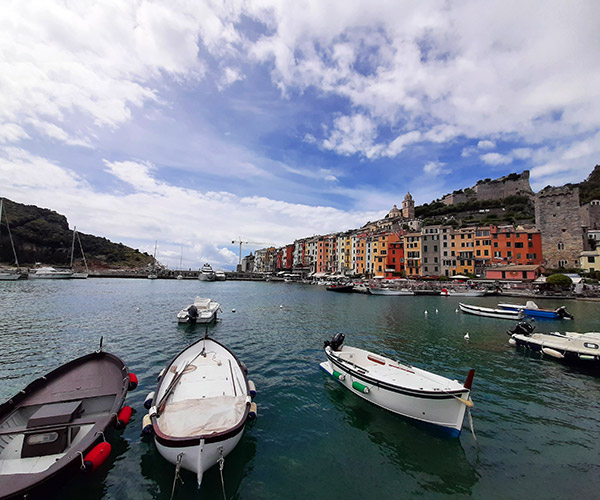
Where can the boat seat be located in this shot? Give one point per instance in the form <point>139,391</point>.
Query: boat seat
<point>55,413</point>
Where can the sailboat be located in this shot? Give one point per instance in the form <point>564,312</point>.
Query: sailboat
<point>180,276</point>
<point>153,275</point>
<point>9,274</point>
<point>78,275</point>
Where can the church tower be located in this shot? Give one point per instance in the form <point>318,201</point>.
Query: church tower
<point>408,207</point>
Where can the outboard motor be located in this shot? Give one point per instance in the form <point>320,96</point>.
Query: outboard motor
<point>193,313</point>
<point>522,328</point>
<point>336,342</point>
<point>562,313</point>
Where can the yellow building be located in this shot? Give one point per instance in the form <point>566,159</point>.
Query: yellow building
<point>589,260</point>
<point>358,252</point>
<point>412,253</point>
<point>463,251</point>
<point>379,251</point>
<point>483,249</point>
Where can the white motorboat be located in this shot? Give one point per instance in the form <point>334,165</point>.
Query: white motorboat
<point>50,273</point>
<point>569,346</point>
<point>207,273</point>
<point>390,291</point>
<point>9,275</point>
<point>402,389</point>
<point>201,311</point>
<point>452,292</point>
<point>200,407</point>
<point>488,312</point>
<point>220,276</point>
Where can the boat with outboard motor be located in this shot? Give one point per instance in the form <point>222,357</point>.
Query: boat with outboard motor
<point>201,406</point>
<point>207,273</point>
<point>531,309</point>
<point>568,346</point>
<point>374,290</point>
<point>462,292</point>
<point>489,312</point>
<point>402,389</point>
<point>203,310</point>
<point>341,287</point>
<point>57,424</point>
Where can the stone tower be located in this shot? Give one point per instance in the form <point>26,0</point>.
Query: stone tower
<point>557,216</point>
<point>408,207</point>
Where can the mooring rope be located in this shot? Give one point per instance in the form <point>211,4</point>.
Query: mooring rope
<point>471,425</point>
<point>221,462</point>
<point>177,476</point>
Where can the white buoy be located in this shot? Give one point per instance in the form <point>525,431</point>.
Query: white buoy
<point>436,311</point>
<point>467,336</point>
<point>281,306</point>
<point>552,352</point>
<point>426,313</point>
<point>456,310</point>
<point>233,310</point>
<point>137,310</point>
<point>512,341</point>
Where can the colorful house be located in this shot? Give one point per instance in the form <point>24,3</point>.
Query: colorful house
<point>514,273</point>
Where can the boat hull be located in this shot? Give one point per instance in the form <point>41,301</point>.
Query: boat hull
<point>440,409</point>
<point>534,313</point>
<point>569,349</point>
<point>491,313</point>
<point>381,291</point>
<point>9,277</point>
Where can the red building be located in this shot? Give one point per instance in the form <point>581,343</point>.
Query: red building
<point>394,267</point>
<point>515,245</point>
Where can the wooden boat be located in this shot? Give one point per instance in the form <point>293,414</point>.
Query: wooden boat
<point>531,309</point>
<point>569,346</point>
<point>490,313</point>
<point>57,424</point>
<point>402,389</point>
<point>341,288</point>
<point>200,407</point>
<point>201,311</point>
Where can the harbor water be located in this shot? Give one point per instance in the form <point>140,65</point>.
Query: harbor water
<point>536,420</point>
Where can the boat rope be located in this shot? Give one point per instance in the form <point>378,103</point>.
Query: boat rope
<point>221,462</point>
<point>467,402</point>
<point>471,426</point>
<point>177,475</point>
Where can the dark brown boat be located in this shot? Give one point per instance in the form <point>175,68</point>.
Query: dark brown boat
<point>57,424</point>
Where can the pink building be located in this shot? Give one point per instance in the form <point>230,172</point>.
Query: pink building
<point>516,273</point>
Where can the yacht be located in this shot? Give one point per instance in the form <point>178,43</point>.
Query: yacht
<point>207,273</point>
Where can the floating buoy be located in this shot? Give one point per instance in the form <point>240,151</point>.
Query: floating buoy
<point>133,382</point>
<point>253,412</point>
<point>467,336</point>
<point>137,310</point>
<point>553,352</point>
<point>512,341</point>
<point>426,313</point>
<point>123,417</point>
<point>148,400</point>
<point>233,310</point>
<point>360,387</point>
<point>252,388</point>
<point>96,457</point>
<point>147,429</point>
<point>587,357</point>
<point>281,306</point>
<point>436,311</point>
<point>338,375</point>
<point>456,310</point>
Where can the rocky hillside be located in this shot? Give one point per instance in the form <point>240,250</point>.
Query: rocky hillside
<point>590,188</point>
<point>42,235</point>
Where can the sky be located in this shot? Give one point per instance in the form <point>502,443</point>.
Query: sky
<point>198,123</point>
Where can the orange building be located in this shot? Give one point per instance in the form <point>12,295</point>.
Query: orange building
<point>516,245</point>
<point>394,267</point>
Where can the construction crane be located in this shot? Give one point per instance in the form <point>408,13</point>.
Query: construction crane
<point>241,242</point>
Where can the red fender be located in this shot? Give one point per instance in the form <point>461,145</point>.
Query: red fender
<point>96,456</point>
<point>123,417</point>
<point>133,382</point>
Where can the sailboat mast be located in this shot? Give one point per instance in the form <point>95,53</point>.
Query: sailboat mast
<point>82,254</point>
<point>12,243</point>
<point>73,245</point>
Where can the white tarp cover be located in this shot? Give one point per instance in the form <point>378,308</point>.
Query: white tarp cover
<point>194,417</point>
<point>201,303</point>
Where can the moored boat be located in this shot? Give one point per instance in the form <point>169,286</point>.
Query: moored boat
<point>207,273</point>
<point>57,424</point>
<point>531,309</point>
<point>220,276</point>
<point>201,405</point>
<point>201,311</point>
<point>569,346</point>
<point>402,389</point>
<point>452,292</point>
<point>390,291</point>
<point>489,312</point>
<point>50,273</point>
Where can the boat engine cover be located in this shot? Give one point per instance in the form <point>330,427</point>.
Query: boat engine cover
<point>336,342</point>
<point>523,328</point>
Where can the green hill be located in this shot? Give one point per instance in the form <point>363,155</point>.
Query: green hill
<point>42,235</point>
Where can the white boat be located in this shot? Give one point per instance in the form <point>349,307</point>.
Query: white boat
<point>207,273</point>
<point>531,309</point>
<point>50,273</point>
<point>488,312</point>
<point>201,311</point>
<point>569,346</point>
<point>390,291</point>
<point>153,275</point>
<point>220,276</point>
<point>200,407</point>
<point>402,389</point>
<point>451,292</point>
<point>9,274</point>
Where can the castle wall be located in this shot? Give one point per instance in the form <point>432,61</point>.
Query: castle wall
<point>503,187</point>
<point>558,217</point>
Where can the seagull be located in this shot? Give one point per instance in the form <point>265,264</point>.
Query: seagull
<point>467,336</point>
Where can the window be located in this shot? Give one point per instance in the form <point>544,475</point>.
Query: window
<point>562,263</point>
<point>508,244</point>
<point>495,244</point>
<point>519,244</point>
<point>591,260</point>
<point>561,246</point>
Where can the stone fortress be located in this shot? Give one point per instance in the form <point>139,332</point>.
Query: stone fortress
<point>488,189</point>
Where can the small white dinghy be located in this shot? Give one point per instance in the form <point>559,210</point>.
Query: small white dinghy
<point>200,408</point>
<point>402,389</point>
<point>201,311</point>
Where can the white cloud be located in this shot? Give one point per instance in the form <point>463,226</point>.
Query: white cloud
<point>435,168</point>
<point>496,159</point>
<point>486,144</point>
